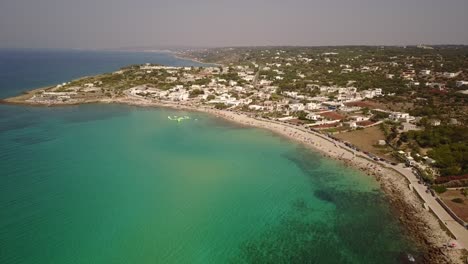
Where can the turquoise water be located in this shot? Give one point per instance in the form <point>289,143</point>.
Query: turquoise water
<point>121,184</point>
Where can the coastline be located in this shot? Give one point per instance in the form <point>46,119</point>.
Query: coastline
<point>404,201</point>
<point>182,57</point>
<point>416,220</point>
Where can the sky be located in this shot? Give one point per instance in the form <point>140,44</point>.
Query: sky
<point>109,24</point>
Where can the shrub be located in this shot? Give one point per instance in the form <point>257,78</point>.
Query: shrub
<point>440,189</point>
<point>457,200</point>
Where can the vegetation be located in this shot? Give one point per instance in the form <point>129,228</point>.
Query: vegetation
<point>448,144</point>
<point>440,189</point>
<point>195,92</point>
<point>221,106</point>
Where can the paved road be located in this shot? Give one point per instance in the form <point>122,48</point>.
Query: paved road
<point>255,80</point>
<point>459,231</point>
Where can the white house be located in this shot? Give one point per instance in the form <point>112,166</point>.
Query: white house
<point>353,125</point>
<point>296,107</point>
<point>440,86</point>
<point>425,72</point>
<point>450,74</point>
<point>359,118</point>
<point>290,94</point>
<point>256,107</point>
<point>408,127</point>
<point>389,76</point>
<point>312,106</point>
<point>378,91</point>
<point>171,79</point>
<point>249,78</point>
<point>178,96</point>
<point>265,82</point>
<point>461,83</point>
<point>397,116</point>
<point>435,122</point>
<point>312,116</point>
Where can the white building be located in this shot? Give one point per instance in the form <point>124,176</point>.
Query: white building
<point>296,107</point>
<point>290,94</point>
<point>171,79</point>
<point>461,83</point>
<point>256,107</point>
<point>314,117</point>
<point>450,74</point>
<point>312,106</point>
<point>358,118</point>
<point>397,116</point>
<point>425,72</point>
<point>435,122</point>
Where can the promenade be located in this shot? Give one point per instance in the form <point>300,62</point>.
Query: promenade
<point>457,230</point>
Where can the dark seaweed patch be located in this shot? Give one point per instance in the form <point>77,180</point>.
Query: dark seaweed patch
<point>306,160</point>
<point>360,230</point>
<point>324,196</point>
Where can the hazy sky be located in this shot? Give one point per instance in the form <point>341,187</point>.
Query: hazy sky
<point>124,23</point>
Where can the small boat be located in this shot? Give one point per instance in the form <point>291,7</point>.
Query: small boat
<point>177,118</point>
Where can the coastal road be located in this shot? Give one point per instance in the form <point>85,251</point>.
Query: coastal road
<point>459,231</point>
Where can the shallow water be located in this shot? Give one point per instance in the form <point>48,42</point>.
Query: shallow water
<point>121,184</point>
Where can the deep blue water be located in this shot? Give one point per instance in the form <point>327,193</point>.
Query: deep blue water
<point>22,70</point>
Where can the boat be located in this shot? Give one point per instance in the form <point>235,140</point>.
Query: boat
<point>177,118</point>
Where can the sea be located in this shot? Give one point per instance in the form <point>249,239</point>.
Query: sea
<point>124,184</point>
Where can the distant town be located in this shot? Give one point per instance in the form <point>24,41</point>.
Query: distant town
<point>394,104</point>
